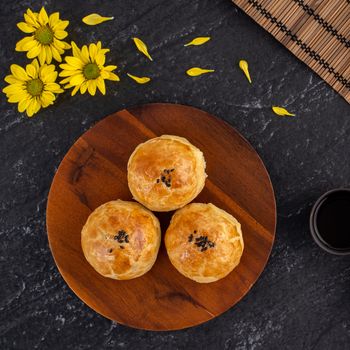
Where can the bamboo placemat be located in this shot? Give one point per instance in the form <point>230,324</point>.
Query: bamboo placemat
<point>316,31</point>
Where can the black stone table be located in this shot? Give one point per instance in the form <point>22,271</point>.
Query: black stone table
<point>302,300</point>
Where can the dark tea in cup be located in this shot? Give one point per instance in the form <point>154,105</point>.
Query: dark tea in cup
<point>330,221</point>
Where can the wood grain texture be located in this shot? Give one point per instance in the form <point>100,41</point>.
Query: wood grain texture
<point>316,31</point>
<point>94,171</point>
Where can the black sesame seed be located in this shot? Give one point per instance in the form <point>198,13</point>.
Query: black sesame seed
<point>111,250</point>
<point>163,178</point>
<point>158,181</point>
<point>190,237</point>
<point>127,239</point>
<point>172,169</point>
<point>167,184</point>
<point>195,231</point>
<point>204,249</point>
<point>121,247</point>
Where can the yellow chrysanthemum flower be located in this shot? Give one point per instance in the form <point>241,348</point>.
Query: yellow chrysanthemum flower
<point>32,88</point>
<point>46,37</point>
<point>85,70</point>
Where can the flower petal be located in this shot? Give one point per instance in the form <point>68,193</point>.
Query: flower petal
<point>22,42</point>
<point>61,25</point>
<point>35,63</point>
<point>101,85</point>
<point>25,28</point>
<point>100,59</point>
<point>19,72</point>
<point>12,80</point>
<point>64,81</point>
<point>60,34</point>
<point>58,44</point>
<point>95,18</point>
<point>75,62</point>
<point>53,87</point>
<point>141,46</point>
<point>19,96</point>
<point>195,71</point>
<point>75,90</point>
<point>244,67</point>
<point>92,51</point>
<point>198,41</point>
<point>42,54</point>
<point>33,107</point>
<point>65,45</point>
<point>113,77</point>
<point>83,87</point>
<point>47,98</point>
<point>139,80</point>
<point>104,74</point>
<point>91,87</point>
<point>34,52</point>
<point>282,111</point>
<point>13,89</point>
<point>32,15</point>
<point>43,18</point>
<point>29,45</point>
<point>69,73</point>
<point>110,68</point>
<point>23,104</point>
<point>30,108</point>
<point>55,54</point>
<point>77,79</point>
<point>54,19</point>
<point>66,66</point>
<point>75,49</point>
<point>85,54</point>
<point>48,54</point>
<point>37,105</point>
<point>49,78</point>
<point>31,71</point>
<point>31,21</point>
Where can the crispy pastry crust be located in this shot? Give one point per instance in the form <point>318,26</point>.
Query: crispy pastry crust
<point>121,240</point>
<point>203,242</point>
<point>165,173</point>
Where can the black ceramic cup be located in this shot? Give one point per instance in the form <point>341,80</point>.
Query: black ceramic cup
<point>330,221</point>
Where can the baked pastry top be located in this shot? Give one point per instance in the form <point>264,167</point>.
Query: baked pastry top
<point>204,242</point>
<point>165,173</point>
<point>121,239</point>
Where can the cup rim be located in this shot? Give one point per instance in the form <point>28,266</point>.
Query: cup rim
<point>313,227</point>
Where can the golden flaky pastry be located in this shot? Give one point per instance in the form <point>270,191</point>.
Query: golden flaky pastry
<point>203,242</point>
<point>121,240</point>
<point>165,173</point>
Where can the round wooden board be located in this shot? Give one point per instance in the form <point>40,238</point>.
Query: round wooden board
<point>94,171</point>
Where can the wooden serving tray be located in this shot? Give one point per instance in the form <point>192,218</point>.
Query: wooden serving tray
<point>94,171</point>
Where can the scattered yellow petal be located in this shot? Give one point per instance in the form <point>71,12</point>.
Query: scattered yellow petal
<point>244,66</point>
<point>139,80</point>
<point>198,41</point>
<point>95,18</point>
<point>282,111</point>
<point>195,71</point>
<point>141,46</point>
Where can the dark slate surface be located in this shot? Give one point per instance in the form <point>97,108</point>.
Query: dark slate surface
<point>302,300</point>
